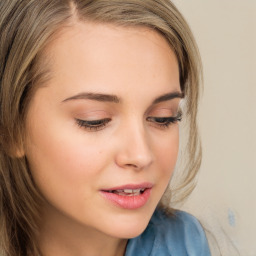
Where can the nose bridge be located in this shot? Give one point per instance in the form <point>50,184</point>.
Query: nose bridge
<point>135,148</point>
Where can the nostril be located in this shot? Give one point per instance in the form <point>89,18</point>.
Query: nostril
<point>135,162</point>
<point>132,165</point>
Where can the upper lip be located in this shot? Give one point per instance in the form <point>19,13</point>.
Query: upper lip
<point>143,185</point>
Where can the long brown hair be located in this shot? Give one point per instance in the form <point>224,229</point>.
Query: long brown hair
<point>26,27</point>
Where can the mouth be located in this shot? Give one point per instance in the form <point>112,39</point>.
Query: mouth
<point>128,196</point>
<point>127,192</point>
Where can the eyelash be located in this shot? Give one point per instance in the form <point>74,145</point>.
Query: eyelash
<point>93,125</point>
<point>165,122</point>
<point>96,125</point>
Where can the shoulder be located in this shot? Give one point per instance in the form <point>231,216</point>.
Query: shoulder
<point>180,234</point>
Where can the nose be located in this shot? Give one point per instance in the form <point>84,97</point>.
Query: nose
<point>134,149</point>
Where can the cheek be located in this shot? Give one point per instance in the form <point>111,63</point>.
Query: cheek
<point>168,149</point>
<point>166,155</point>
<point>60,161</point>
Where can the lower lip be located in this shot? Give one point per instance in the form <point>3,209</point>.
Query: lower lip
<point>128,202</point>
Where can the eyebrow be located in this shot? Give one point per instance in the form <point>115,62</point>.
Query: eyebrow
<point>94,96</point>
<point>113,98</point>
<point>168,96</point>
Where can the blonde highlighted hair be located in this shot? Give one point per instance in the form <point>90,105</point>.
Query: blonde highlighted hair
<point>26,27</point>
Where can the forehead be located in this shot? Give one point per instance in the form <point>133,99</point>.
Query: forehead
<point>112,56</point>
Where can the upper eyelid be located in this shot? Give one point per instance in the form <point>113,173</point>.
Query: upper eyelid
<point>170,118</point>
<point>92,116</point>
<point>166,112</point>
<point>170,107</point>
<point>165,121</point>
<point>92,125</point>
<point>178,115</point>
<point>94,120</point>
<point>88,125</point>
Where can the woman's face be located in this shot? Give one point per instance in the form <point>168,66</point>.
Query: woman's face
<point>102,140</point>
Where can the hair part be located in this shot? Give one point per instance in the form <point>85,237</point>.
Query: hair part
<point>26,28</point>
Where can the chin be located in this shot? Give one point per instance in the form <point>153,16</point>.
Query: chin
<point>128,232</point>
<point>128,227</point>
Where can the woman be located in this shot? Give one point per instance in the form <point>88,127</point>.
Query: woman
<point>90,105</point>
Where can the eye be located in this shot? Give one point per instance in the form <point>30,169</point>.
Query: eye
<point>93,125</point>
<point>165,122</point>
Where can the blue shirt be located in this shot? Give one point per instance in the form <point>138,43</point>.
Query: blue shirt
<point>178,235</point>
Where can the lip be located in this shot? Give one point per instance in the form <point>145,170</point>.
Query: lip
<point>131,186</point>
<point>128,202</point>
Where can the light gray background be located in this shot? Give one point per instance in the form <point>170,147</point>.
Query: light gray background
<point>225,198</point>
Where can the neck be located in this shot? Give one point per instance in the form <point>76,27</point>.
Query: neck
<point>59,235</point>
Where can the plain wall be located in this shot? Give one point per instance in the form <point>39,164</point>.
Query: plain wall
<point>224,200</point>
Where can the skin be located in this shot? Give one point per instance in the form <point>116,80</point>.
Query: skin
<point>71,164</point>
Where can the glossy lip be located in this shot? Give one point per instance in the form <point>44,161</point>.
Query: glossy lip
<point>128,202</point>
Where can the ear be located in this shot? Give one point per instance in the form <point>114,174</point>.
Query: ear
<point>15,151</point>
<point>10,146</point>
<point>19,153</point>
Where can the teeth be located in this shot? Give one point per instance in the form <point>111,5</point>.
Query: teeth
<point>128,192</point>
